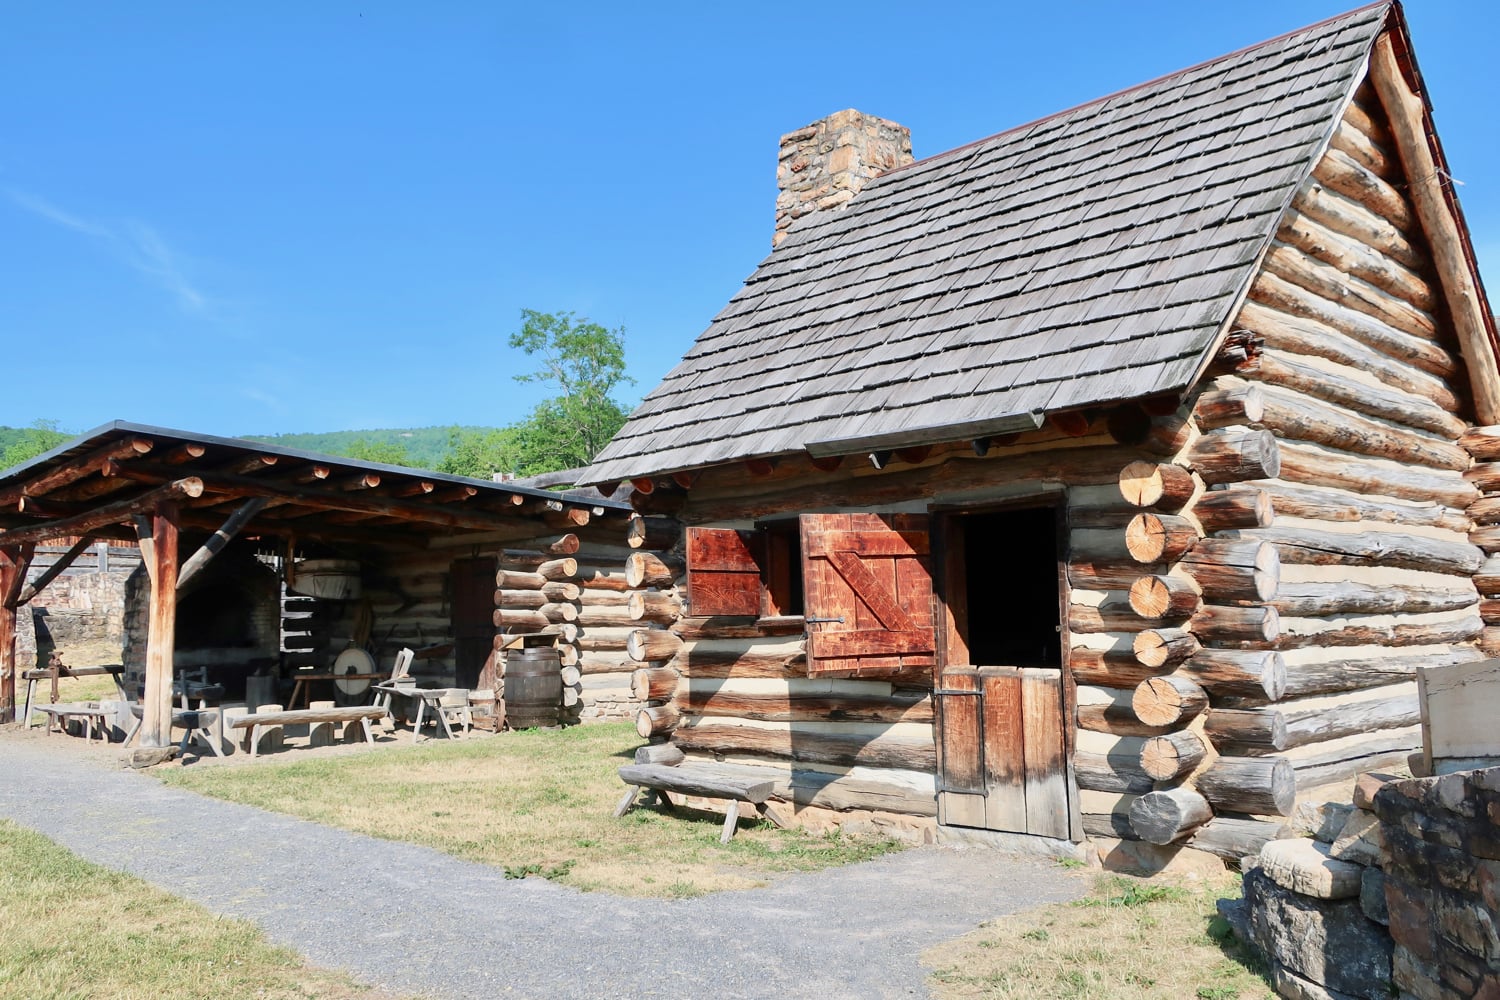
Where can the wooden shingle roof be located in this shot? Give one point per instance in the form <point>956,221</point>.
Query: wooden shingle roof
<point>1086,258</point>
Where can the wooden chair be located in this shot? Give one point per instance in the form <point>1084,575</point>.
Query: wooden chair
<point>401,669</point>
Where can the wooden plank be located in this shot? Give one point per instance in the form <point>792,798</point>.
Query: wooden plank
<point>848,593</point>
<point>1004,749</point>
<point>724,571</point>
<point>962,750</point>
<point>1412,126</point>
<point>877,596</point>
<point>1460,703</point>
<point>1042,733</point>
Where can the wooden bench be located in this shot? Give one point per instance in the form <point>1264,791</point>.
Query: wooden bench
<point>710,781</point>
<point>53,673</point>
<point>363,714</point>
<point>90,714</point>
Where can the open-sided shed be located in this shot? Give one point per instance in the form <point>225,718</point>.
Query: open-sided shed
<point>1108,478</point>
<point>224,522</point>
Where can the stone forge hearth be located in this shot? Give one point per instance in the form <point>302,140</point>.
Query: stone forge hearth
<point>228,620</point>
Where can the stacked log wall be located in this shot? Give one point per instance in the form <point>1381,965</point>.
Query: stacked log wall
<point>862,748</point>
<point>1331,452</point>
<point>410,594</point>
<point>567,586</point>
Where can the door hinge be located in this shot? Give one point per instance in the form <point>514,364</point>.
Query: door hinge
<point>818,621</point>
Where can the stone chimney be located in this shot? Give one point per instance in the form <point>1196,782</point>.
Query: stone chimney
<point>824,165</point>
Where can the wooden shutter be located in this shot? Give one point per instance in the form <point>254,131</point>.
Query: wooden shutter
<point>724,571</point>
<point>873,572</point>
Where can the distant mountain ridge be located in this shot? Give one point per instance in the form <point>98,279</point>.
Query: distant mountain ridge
<point>426,447</point>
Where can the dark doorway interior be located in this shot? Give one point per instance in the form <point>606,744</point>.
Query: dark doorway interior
<point>1011,579</point>
<point>473,609</point>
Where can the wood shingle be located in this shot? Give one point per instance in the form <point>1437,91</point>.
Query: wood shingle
<point>1090,257</point>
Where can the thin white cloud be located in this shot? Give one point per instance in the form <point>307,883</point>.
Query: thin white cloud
<point>266,399</point>
<point>134,243</point>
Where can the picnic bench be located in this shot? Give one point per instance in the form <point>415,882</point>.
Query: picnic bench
<point>363,714</point>
<point>706,780</point>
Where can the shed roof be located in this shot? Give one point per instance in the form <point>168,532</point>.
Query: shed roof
<point>1089,257</point>
<point>308,494</point>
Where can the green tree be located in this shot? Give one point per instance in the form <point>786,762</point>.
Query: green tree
<point>585,362</point>
<point>479,454</point>
<point>41,436</point>
<point>384,452</point>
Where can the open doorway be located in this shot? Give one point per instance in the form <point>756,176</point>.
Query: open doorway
<point>1002,729</point>
<point>1011,579</point>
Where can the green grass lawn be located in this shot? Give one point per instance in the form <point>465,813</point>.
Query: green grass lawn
<point>1129,939</point>
<point>71,929</point>
<point>533,803</point>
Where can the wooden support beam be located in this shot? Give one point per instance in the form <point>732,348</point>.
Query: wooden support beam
<point>334,498</point>
<point>142,525</point>
<point>249,465</point>
<point>1412,127</point>
<point>216,542</point>
<point>184,453</point>
<point>363,481</point>
<point>77,469</point>
<point>55,570</point>
<point>115,513</point>
<point>313,474</point>
<point>1073,423</point>
<point>415,488</point>
<point>161,631</point>
<point>14,561</point>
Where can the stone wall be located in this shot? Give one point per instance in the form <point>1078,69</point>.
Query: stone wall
<point>86,608</point>
<point>1442,883</point>
<point>1397,894</point>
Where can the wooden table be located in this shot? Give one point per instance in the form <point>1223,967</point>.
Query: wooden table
<point>302,689</point>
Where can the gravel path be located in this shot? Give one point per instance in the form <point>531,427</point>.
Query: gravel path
<point>410,919</point>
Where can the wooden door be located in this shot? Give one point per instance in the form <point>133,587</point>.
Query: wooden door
<point>1002,761</point>
<point>472,611</point>
<point>867,594</point>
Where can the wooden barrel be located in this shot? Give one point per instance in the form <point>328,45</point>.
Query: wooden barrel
<point>533,686</point>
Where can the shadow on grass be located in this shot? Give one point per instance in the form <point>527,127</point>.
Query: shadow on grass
<point>1236,952</point>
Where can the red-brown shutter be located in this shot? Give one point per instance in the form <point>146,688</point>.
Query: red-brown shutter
<point>868,593</point>
<point>724,571</point>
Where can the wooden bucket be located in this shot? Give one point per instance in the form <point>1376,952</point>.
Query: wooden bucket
<point>533,686</point>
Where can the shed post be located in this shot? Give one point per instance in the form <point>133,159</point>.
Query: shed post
<point>14,560</point>
<point>156,721</point>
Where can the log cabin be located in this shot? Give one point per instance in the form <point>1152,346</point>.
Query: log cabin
<point>1099,485</point>
<point>258,560</point>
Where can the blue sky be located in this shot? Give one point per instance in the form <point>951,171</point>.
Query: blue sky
<point>259,218</point>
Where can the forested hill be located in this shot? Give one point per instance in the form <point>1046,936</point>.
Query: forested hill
<point>425,447</point>
<point>9,436</point>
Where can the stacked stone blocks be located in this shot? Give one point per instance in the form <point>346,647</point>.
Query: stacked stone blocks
<point>824,165</point>
<point>1442,883</point>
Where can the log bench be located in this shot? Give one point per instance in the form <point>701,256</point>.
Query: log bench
<point>363,714</point>
<point>710,781</point>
